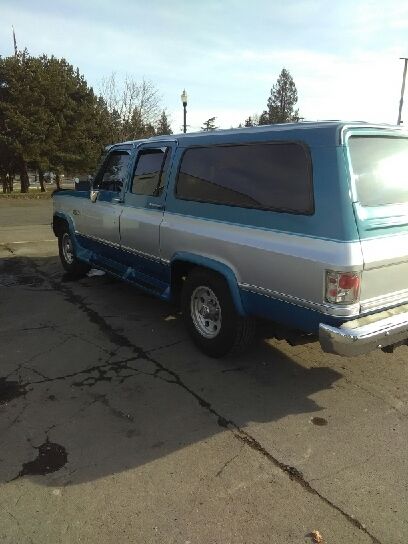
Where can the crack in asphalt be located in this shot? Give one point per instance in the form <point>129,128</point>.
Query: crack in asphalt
<point>33,357</point>
<point>346,467</point>
<point>170,376</point>
<point>8,248</point>
<point>12,516</point>
<point>224,466</point>
<point>400,414</point>
<point>103,399</point>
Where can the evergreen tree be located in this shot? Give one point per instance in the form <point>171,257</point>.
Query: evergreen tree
<point>249,122</point>
<point>264,118</point>
<point>49,118</point>
<point>163,126</point>
<point>283,99</point>
<point>209,125</point>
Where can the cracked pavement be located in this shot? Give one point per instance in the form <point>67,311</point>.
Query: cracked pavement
<point>114,428</point>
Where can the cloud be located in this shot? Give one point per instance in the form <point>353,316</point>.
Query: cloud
<point>228,54</point>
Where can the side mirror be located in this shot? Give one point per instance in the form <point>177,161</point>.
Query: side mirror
<point>94,195</point>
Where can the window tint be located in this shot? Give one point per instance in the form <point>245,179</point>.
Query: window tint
<point>114,173</point>
<point>265,176</point>
<point>380,168</point>
<point>150,172</point>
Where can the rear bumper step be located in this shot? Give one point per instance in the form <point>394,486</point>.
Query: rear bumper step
<point>366,334</point>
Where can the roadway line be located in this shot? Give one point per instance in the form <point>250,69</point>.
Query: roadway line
<point>27,242</point>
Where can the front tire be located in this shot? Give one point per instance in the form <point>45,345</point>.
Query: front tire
<point>210,315</point>
<point>68,258</point>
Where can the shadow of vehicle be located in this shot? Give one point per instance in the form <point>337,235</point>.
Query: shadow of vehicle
<point>106,379</point>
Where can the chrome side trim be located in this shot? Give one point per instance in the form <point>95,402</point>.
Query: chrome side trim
<point>124,248</point>
<point>366,334</point>
<point>381,302</point>
<point>100,240</point>
<point>328,309</point>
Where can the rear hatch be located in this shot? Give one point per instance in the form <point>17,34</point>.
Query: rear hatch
<point>378,163</point>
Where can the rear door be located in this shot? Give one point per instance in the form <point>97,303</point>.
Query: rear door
<point>379,173</point>
<point>143,209</point>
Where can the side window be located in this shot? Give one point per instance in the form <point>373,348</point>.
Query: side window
<point>273,176</point>
<point>150,172</point>
<point>113,175</point>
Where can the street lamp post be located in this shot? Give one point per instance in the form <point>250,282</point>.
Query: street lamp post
<point>184,101</point>
<point>402,89</point>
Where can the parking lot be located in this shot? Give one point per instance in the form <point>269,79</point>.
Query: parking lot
<point>114,428</point>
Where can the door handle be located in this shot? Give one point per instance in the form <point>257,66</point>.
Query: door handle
<point>118,200</point>
<point>155,206</point>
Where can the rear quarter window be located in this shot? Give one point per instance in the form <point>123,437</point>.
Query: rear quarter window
<point>380,168</point>
<point>267,176</point>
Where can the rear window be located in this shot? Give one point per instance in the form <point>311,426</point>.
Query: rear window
<point>380,169</point>
<point>263,176</point>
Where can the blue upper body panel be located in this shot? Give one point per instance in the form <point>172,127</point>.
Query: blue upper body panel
<point>333,218</point>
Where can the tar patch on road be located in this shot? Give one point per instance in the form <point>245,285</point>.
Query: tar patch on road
<point>51,457</point>
<point>8,280</point>
<point>10,390</point>
<point>319,421</point>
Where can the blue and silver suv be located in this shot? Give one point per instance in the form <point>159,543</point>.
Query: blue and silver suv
<point>304,224</point>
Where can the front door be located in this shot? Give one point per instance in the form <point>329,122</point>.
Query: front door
<point>142,215</point>
<point>98,219</point>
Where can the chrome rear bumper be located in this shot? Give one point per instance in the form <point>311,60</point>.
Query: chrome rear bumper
<point>367,333</point>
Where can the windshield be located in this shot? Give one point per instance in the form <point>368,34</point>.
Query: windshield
<point>380,169</point>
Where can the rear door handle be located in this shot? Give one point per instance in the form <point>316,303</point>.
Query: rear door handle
<point>155,206</point>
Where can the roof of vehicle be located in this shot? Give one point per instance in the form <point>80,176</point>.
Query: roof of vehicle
<point>324,131</point>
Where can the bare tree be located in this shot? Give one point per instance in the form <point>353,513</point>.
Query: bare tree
<point>135,106</point>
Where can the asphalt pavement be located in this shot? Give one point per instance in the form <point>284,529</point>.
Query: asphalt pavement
<point>115,429</point>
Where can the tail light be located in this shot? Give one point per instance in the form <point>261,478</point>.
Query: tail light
<point>342,287</point>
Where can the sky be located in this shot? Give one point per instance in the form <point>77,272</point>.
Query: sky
<point>342,54</point>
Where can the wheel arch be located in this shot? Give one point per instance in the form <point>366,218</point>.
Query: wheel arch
<point>60,222</point>
<point>182,263</point>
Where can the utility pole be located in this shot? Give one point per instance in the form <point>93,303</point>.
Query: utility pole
<point>15,42</point>
<point>405,59</point>
<point>184,101</point>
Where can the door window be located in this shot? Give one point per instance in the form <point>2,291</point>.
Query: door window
<point>114,173</point>
<point>150,172</point>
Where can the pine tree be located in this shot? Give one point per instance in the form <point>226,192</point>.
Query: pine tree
<point>209,125</point>
<point>163,126</point>
<point>49,117</point>
<point>264,118</point>
<point>282,100</point>
<point>249,122</point>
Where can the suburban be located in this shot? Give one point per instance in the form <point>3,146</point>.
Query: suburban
<point>304,224</point>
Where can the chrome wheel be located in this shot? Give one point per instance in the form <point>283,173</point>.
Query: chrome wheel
<point>206,312</point>
<point>67,249</point>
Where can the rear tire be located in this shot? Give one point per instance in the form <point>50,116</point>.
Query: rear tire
<point>210,315</point>
<point>69,261</point>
